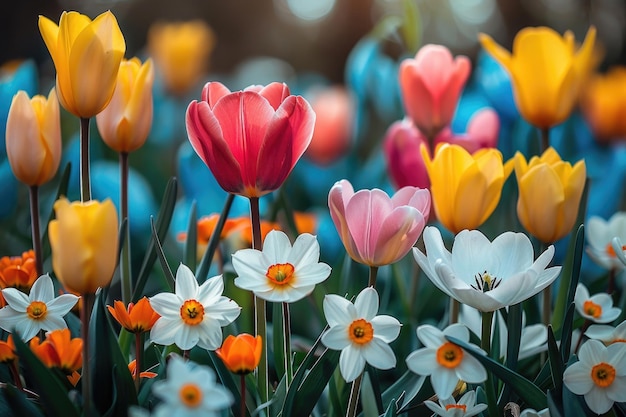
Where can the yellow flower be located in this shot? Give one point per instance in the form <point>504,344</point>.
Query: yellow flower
<point>465,187</point>
<point>604,104</point>
<point>33,137</point>
<point>546,71</point>
<point>549,194</point>
<point>181,52</point>
<point>84,244</point>
<point>87,56</point>
<point>125,123</point>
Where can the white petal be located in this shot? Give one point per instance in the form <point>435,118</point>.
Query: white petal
<point>514,252</point>
<point>577,378</point>
<point>27,329</point>
<point>386,328</point>
<point>617,390</point>
<point>164,331</point>
<point>210,334</point>
<point>338,310</point>
<point>254,284</point>
<point>276,247</point>
<point>616,355</point>
<point>472,254</point>
<point>378,354</point>
<point>311,274</point>
<point>186,283</point>
<point>592,352</point>
<point>457,330</point>
<point>443,382</point>
<point>581,295</point>
<point>351,363</point>
<point>249,263</point>
<point>10,318</point>
<point>62,304</point>
<point>433,243</point>
<point>470,370</point>
<point>336,338</point>
<point>187,337</point>
<point>166,304</point>
<point>597,400</point>
<point>52,323</point>
<point>211,290</point>
<point>422,361</point>
<point>225,311</point>
<point>305,251</point>
<point>430,336</point>
<point>16,299</point>
<point>366,303</point>
<point>42,289</point>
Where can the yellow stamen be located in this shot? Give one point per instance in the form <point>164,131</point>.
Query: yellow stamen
<point>280,274</point>
<point>190,395</point>
<point>603,374</point>
<point>449,355</point>
<point>360,332</point>
<point>192,312</point>
<point>592,309</point>
<point>37,310</point>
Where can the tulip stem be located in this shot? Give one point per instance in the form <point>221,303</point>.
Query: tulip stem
<point>125,272</point>
<point>354,396</point>
<point>15,373</point>
<point>259,306</point>
<point>485,344</point>
<point>287,345</point>
<point>545,139</point>
<point>36,232</point>
<point>85,183</point>
<point>85,316</point>
<point>138,358</point>
<point>372,277</point>
<point>242,383</point>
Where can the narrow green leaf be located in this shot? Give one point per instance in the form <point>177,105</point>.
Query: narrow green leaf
<point>392,410</point>
<point>566,333</point>
<point>162,224</point>
<point>169,276</point>
<point>525,389</point>
<point>554,404</point>
<point>372,374</point>
<point>278,339</point>
<point>556,364</point>
<point>228,380</point>
<point>18,404</point>
<point>191,243</point>
<point>205,264</point>
<point>53,396</point>
<point>514,331</point>
<point>569,278</point>
<point>367,397</point>
<point>407,388</point>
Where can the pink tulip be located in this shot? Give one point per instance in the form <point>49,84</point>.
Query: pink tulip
<point>402,151</point>
<point>375,229</point>
<point>431,84</point>
<point>482,132</point>
<point>250,139</point>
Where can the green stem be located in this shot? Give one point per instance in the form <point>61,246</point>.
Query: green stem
<point>287,345</point>
<point>85,182</point>
<point>85,316</point>
<point>583,329</point>
<point>485,344</point>
<point>138,358</point>
<point>242,383</point>
<point>35,228</point>
<point>354,396</point>
<point>125,270</point>
<point>545,139</point>
<point>260,315</point>
<point>372,277</point>
<point>546,309</point>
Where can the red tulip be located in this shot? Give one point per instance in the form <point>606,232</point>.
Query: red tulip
<point>431,84</point>
<point>250,139</point>
<point>402,151</point>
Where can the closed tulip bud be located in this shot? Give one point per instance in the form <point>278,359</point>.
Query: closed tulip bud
<point>405,163</point>
<point>84,238</point>
<point>546,100</point>
<point>87,56</point>
<point>550,190</point>
<point>241,354</point>
<point>465,188</point>
<point>33,137</point>
<point>603,102</point>
<point>125,123</point>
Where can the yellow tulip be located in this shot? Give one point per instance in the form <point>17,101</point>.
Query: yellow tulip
<point>87,56</point>
<point>125,123</point>
<point>603,102</point>
<point>546,70</point>
<point>33,137</point>
<point>549,194</point>
<point>83,238</point>
<point>181,52</point>
<point>465,187</point>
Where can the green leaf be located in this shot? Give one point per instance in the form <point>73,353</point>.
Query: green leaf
<point>18,403</point>
<point>162,224</point>
<point>278,339</point>
<point>569,278</point>
<point>191,243</point>
<point>514,331</point>
<point>406,389</point>
<point>169,276</point>
<point>392,410</point>
<point>228,380</point>
<point>205,264</point>
<point>368,400</point>
<point>411,25</point>
<point>525,389</point>
<point>556,364</point>
<point>566,333</point>
<point>52,394</point>
<point>554,404</point>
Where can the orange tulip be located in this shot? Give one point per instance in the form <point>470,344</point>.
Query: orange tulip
<point>604,104</point>
<point>241,354</point>
<point>17,272</point>
<point>137,318</point>
<point>7,351</point>
<point>59,350</point>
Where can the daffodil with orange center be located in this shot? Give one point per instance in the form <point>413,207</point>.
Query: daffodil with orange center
<point>137,318</point>
<point>546,100</point>
<point>194,314</point>
<point>600,234</point>
<point>449,407</point>
<point>241,354</point>
<point>360,334</point>
<point>445,362</point>
<point>550,191</point>
<point>280,272</point>
<point>597,308</point>
<point>40,310</point>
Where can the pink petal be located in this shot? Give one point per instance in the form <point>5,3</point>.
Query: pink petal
<point>402,151</point>
<point>398,233</point>
<point>213,91</point>
<point>275,93</point>
<point>338,197</point>
<point>484,126</point>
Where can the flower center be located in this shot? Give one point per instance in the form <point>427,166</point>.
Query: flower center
<point>485,282</point>
<point>592,309</point>
<point>280,274</point>
<point>360,332</point>
<point>611,252</point>
<point>603,374</point>
<point>449,355</point>
<point>190,395</point>
<point>37,310</point>
<point>461,407</point>
<point>192,312</point>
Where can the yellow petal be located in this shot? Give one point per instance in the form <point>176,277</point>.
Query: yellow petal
<point>499,53</point>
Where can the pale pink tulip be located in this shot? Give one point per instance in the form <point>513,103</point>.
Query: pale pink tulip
<point>250,139</point>
<point>405,164</point>
<point>375,229</point>
<point>482,132</point>
<point>431,84</point>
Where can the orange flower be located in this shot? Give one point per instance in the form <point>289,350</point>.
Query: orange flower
<point>305,223</point>
<point>241,354</point>
<point>7,350</point>
<point>132,367</point>
<point>17,272</point>
<point>59,350</point>
<point>138,318</point>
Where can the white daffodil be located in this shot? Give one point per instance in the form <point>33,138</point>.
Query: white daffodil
<point>190,390</point>
<point>530,412</point>
<point>534,338</point>
<point>598,308</point>
<point>486,275</point>
<point>600,234</point>
<point>281,273</point>
<point>40,310</point>
<point>466,407</point>
<point>599,375</point>
<point>607,334</point>
<point>445,362</point>
<point>359,333</point>
<point>195,314</point>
